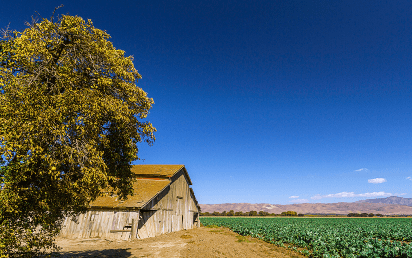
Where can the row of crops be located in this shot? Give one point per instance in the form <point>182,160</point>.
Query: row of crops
<point>328,237</point>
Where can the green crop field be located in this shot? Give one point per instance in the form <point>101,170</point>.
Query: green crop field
<point>328,237</point>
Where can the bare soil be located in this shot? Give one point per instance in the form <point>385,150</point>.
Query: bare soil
<point>199,242</point>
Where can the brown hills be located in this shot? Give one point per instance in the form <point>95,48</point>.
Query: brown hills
<point>391,200</point>
<point>313,208</point>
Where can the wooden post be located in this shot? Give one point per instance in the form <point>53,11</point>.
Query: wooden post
<point>133,233</point>
<point>135,225</point>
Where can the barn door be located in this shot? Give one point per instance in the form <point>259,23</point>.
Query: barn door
<point>146,226</point>
<point>179,213</point>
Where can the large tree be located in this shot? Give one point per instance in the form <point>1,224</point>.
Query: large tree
<point>70,118</point>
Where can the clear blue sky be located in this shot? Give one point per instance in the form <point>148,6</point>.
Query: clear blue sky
<point>268,101</point>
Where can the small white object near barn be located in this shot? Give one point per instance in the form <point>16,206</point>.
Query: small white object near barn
<point>162,203</point>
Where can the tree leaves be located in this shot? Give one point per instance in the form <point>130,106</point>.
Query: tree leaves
<point>70,118</point>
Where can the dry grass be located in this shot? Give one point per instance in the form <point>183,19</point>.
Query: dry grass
<point>242,239</point>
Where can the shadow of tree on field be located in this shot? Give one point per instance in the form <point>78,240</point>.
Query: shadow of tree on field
<point>95,253</point>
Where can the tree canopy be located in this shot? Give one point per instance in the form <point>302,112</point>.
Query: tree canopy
<point>71,116</point>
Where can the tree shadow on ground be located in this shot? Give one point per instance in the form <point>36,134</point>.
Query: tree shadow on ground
<point>95,253</point>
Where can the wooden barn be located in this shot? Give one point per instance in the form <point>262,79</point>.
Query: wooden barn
<point>162,202</point>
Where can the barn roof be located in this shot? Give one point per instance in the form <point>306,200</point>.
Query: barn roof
<point>159,171</point>
<point>144,191</point>
<point>150,181</point>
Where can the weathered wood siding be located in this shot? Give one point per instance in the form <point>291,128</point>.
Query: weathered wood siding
<point>172,210</point>
<point>100,223</point>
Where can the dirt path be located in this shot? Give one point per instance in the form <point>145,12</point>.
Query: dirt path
<point>200,242</point>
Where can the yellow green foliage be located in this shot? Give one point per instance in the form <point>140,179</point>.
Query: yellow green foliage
<point>70,118</point>
<point>289,213</point>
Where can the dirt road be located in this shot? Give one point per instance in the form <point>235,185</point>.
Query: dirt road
<point>200,242</point>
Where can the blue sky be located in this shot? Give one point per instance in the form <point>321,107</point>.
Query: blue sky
<point>268,101</point>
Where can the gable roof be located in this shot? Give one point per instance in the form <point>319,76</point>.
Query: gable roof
<point>150,181</point>
<point>159,171</point>
<point>144,191</point>
<point>156,170</point>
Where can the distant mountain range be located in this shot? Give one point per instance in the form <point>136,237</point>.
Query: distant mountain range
<point>390,200</point>
<point>388,206</point>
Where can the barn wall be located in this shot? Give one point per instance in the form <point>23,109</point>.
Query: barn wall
<point>196,212</point>
<point>100,223</point>
<point>172,210</point>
